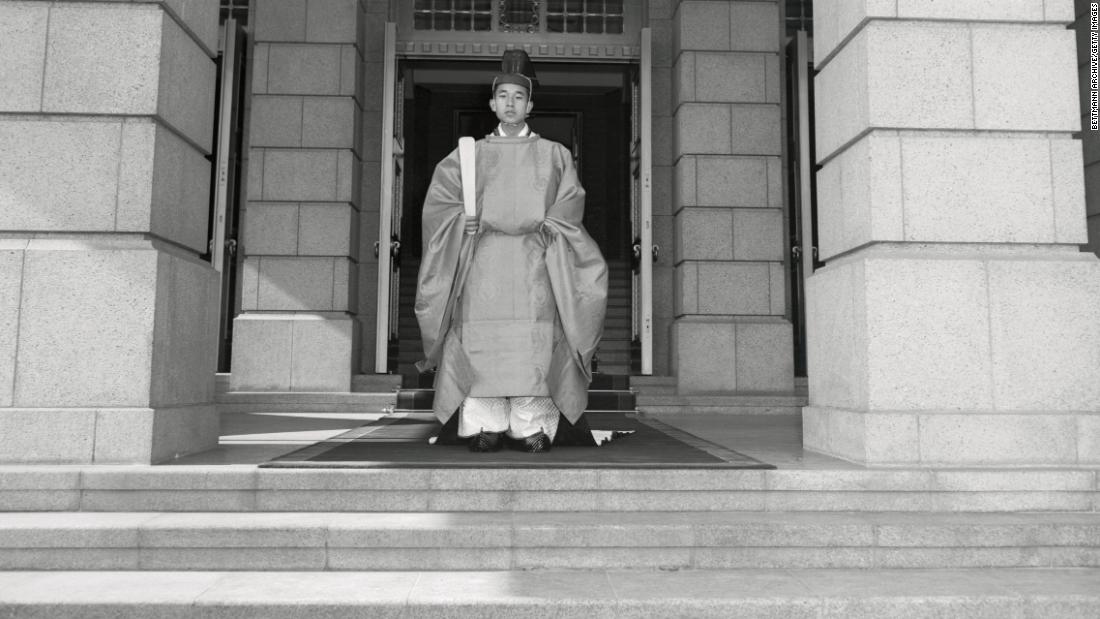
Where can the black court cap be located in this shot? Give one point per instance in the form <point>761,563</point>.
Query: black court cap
<point>516,68</point>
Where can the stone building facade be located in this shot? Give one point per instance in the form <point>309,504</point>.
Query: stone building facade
<point>952,320</point>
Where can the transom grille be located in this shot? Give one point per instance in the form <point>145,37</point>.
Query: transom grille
<point>585,16</point>
<point>531,16</point>
<point>799,15</point>
<point>453,15</point>
<point>237,9</point>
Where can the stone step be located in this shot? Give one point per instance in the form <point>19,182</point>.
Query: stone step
<point>360,383</point>
<point>654,385</point>
<point>616,336</point>
<point>617,270</point>
<point>598,399</point>
<point>656,402</point>
<point>613,345</point>
<point>614,368</point>
<point>612,330</point>
<point>613,362</point>
<point>304,401</point>
<point>618,319</point>
<point>375,383</point>
<point>412,376</point>
<point>616,287</point>
<point>229,488</point>
<point>607,349</point>
<point>566,594</point>
<point>543,540</point>
<point>600,380</point>
<point>620,302</point>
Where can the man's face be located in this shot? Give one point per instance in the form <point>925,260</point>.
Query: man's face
<point>511,103</point>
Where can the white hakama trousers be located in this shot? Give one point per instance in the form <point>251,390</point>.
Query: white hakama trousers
<point>521,417</point>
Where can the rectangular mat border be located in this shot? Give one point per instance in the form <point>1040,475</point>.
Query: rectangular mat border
<point>300,458</point>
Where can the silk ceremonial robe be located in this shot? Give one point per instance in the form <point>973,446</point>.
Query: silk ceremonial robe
<point>518,308</point>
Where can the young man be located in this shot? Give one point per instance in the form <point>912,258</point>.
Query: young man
<point>512,322</point>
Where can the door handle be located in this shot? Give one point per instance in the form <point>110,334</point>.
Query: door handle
<point>395,248</point>
<point>636,254</point>
<point>395,252</point>
<point>796,252</point>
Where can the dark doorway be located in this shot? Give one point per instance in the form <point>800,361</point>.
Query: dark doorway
<point>591,117</point>
<point>585,107</point>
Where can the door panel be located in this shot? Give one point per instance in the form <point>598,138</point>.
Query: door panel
<point>388,246</point>
<point>641,207</point>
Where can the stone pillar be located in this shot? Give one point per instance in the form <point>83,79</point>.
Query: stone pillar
<point>108,316</point>
<point>956,322</point>
<point>730,332</point>
<point>300,244</point>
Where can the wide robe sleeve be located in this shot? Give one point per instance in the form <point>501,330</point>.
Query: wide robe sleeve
<point>578,276</point>
<point>440,278</point>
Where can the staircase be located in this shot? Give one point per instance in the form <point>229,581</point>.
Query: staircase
<point>614,353</point>
<point>231,541</point>
<point>810,539</point>
<point>606,392</point>
<point>822,540</point>
<point>369,392</point>
<point>657,395</point>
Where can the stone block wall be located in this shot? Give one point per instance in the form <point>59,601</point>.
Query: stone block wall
<point>108,338</point>
<point>301,245</point>
<point>729,301</point>
<point>956,322</point>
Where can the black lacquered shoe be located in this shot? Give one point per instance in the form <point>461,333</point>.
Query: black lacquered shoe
<point>536,443</point>
<point>486,441</point>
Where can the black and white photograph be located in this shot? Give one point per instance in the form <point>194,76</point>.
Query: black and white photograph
<point>549,309</point>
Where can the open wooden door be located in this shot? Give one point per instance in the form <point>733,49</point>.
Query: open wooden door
<point>641,203</point>
<point>388,246</point>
